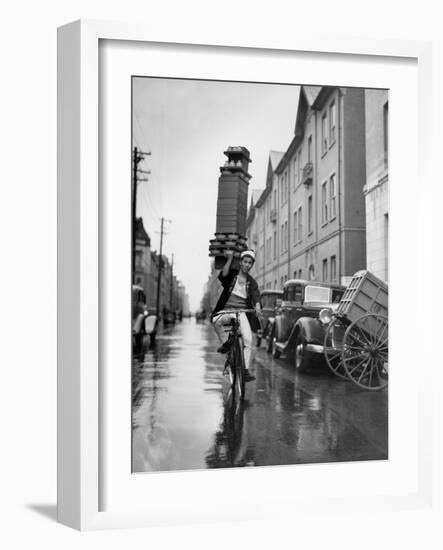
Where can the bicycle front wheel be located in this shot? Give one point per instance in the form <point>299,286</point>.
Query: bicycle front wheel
<point>240,366</point>
<point>232,369</point>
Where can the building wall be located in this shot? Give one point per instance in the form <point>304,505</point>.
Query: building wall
<point>376,190</point>
<point>271,208</point>
<point>354,178</point>
<point>334,246</point>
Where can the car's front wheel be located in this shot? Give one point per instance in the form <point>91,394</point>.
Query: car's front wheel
<point>138,343</point>
<point>300,354</point>
<point>268,339</point>
<point>275,351</point>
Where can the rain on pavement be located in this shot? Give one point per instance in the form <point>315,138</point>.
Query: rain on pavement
<point>185,417</point>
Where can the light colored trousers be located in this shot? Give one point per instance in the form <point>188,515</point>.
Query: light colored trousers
<point>245,329</point>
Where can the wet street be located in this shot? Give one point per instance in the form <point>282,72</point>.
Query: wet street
<point>185,417</point>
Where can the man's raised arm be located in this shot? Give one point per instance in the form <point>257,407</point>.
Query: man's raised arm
<point>229,254</point>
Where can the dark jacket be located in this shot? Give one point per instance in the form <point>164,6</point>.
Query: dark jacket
<point>252,295</point>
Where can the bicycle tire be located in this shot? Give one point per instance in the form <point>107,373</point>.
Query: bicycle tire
<point>240,366</point>
<point>232,369</point>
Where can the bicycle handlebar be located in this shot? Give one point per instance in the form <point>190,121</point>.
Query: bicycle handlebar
<point>236,311</point>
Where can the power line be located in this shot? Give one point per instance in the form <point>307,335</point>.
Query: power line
<point>140,127</point>
<point>138,156</point>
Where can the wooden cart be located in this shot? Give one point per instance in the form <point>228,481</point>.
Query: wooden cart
<point>356,340</point>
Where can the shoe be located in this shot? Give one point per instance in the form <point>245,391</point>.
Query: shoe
<point>225,347</point>
<point>248,376</point>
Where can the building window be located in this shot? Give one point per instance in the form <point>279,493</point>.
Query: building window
<point>311,273</point>
<point>299,273</point>
<point>285,187</point>
<point>295,230</point>
<point>282,238</point>
<point>332,123</point>
<point>324,203</point>
<point>310,214</point>
<point>325,270</point>
<point>324,135</point>
<point>332,196</point>
<point>310,149</point>
<point>286,278</point>
<point>281,282</point>
<point>300,225</point>
<point>295,274</point>
<point>386,246</point>
<point>296,175</point>
<point>275,283</point>
<point>386,131</point>
<point>275,244</point>
<point>333,269</point>
<point>286,236</point>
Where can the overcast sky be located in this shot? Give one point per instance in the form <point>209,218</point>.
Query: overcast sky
<point>186,125</point>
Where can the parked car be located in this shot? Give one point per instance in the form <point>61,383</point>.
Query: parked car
<point>269,300</point>
<point>143,322</point>
<point>297,331</point>
<point>200,315</point>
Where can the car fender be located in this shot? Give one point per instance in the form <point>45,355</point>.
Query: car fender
<point>150,324</point>
<point>138,323</point>
<point>311,328</point>
<point>280,324</point>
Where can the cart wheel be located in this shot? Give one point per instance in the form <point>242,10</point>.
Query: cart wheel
<point>365,351</point>
<point>333,345</point>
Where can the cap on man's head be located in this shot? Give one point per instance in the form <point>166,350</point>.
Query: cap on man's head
<point>249,253</point>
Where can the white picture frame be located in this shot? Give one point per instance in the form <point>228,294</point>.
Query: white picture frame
<point>80,391</point>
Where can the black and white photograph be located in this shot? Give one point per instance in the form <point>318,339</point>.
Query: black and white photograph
<point>259,274</point>
<point>230,219</point>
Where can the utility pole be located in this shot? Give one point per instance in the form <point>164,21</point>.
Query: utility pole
<point>160,266</point>
<point>172,283</point>
<point>138,157</point>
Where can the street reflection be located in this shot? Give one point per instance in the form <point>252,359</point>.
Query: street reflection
<point>184,415</point>
<point>230,441</point>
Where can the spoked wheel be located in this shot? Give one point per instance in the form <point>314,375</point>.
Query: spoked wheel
<point>333,345</point>
<point>365,351</point>
<point>240,367</point>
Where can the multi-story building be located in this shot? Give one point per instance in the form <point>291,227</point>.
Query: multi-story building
<point>313,205</point>
<point>147,265</point>
<point>142,255</point>
<point>262,226</point>
<point>255,233</point>
<point>376,190</point>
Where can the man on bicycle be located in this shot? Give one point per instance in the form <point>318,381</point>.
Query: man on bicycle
<point>240,291</point>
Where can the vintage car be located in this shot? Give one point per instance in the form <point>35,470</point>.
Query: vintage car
<point>269,300</point>
<point>297,331</point>
<point>142,321</point>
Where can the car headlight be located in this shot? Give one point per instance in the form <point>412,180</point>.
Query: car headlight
<point>325,316</point>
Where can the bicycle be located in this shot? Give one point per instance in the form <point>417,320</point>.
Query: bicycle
<point>235,361</point>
